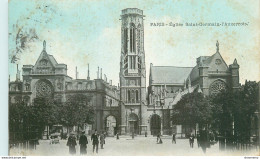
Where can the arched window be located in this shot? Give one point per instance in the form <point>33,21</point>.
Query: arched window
<point>129,98</point>
<point>132,96</point>
<point>136,96</point>
<point>138,38</point>
<point>132,37</point>
<point>125,39</point>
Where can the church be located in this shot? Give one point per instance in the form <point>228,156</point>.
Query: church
<point>131,106</point>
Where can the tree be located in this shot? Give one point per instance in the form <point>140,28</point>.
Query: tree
<point>233,112</point>
<point>191,109</point>
<point>77,110</point>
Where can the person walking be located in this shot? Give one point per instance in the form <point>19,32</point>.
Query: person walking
<point>83,141</point>
<point>117,136</point>
<point>203,140</point>
<point>102,140</point>
<point>191,139</point>
<point>198,140</point>
<point>145,134</point>
<point>174,138</point>
<point>159,140</point>
<point>94,139</point>
<point>72,143</point>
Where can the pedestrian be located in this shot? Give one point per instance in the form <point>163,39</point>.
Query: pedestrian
<point>72,143</point>
<point>102,140</point>
<point>159,140</point>
<point>191,139</point>
<point>145,134</point>
<point>117,136</point>
<point>203,140</point>
<point>198,140</point>
<point>83,141</point>
<point>174,138</point>
<point>94,138</point>
<point>133,135</point>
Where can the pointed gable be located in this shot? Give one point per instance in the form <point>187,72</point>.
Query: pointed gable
<point>216,62</point>
<point>44,60</point>
<point>47,64</point>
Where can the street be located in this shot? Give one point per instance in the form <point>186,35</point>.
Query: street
<point>126,146</point>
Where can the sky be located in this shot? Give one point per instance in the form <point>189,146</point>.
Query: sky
<point>78,32</point>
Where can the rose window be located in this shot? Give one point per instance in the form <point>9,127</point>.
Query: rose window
<point>43,89</point>
<point>217,87</point>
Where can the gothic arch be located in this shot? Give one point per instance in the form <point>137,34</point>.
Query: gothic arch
<point>111,124</point>
<point>132,37</point>
<point>155,124</point>
<point>133,121</point>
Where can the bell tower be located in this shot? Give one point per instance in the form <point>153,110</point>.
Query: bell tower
<point>132,72</point>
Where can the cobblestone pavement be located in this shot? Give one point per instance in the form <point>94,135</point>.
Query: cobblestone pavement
<point>126,146</point>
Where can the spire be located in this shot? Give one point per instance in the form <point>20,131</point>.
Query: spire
<point>235,62</point>
<point>76,73</point>
<point>100,73</point>
<point>88,78</point>
<point>217,45</point>
<point>105,77</point>
<point>44,45</point>
<point>17,73</point>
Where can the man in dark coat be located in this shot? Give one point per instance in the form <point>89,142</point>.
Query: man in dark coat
<point>83,141</point>
<point>203,140</point>
<point>72,143</point>
<point>191,139</point>
<point>174,138</point>
<point>102,140</point>
<point>94,139</point>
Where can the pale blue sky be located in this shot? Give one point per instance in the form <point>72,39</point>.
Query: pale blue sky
<point>79,32</point>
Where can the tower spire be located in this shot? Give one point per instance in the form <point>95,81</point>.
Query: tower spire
<point>44,45</point>
<point>217,45</point>
<point>76,72</point>
<point>100,73</point>
<point>88,78</point>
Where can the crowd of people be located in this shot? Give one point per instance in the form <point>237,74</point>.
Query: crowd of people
<point>83,142</point>
<point>97,139</point>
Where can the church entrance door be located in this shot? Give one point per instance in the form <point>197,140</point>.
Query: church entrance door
<point>155,124</point>
<point>133,123</point>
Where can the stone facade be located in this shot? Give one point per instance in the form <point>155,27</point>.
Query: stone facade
<point>132,72</point>
<point>167,84</point>
<point>47,78</point>
<point>128,108</point>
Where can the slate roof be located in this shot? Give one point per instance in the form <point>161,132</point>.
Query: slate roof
<point>169,74</point>
<point>53,60</point>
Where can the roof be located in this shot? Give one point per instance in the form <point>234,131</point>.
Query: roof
<point>204,61</point>
<point>53,60</point>
<point>169,74</point>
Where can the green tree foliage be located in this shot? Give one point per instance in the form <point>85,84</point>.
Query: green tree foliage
<point>77,110</point>
<point>235,109</point>
<point>191,109</point>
